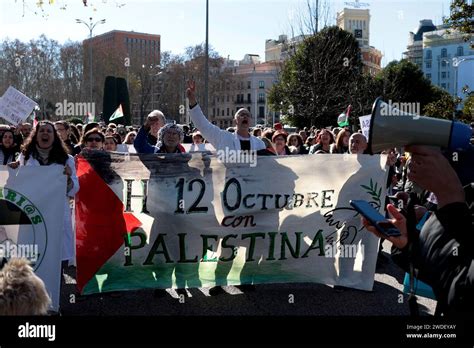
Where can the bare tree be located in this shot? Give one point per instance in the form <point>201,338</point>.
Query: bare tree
<point>311,18</point>
<point>71,70</point>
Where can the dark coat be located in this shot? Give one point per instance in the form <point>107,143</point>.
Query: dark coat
<point>443,255</point>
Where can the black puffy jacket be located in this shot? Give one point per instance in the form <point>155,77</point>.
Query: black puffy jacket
<point>443,255</point>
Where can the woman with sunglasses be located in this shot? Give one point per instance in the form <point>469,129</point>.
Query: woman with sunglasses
<point>93,140</point>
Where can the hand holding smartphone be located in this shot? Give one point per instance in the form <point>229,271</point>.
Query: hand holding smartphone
<point>377,220</point>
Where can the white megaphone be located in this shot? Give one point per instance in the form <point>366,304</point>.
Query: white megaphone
<point>390,127</point>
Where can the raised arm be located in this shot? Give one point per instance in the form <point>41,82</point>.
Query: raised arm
<point>141,140</point>
<point>212,133</point>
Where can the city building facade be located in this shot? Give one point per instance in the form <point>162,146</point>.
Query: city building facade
<point>414,52</point>
<point>281,49</point>
<point>247,87</point>
<point>141,48</point>
<point>448,61</point>
<point>357,22</point>
<point>127,53</point>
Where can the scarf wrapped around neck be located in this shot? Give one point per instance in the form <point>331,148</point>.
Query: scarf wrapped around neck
<point>43,155</point>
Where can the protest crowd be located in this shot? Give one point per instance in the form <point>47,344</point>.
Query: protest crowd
<point>426,198</point>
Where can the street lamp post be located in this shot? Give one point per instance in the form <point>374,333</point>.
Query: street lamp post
<point>91,27</point>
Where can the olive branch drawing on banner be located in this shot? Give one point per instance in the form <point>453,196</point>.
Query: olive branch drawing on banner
<point>374,193</point>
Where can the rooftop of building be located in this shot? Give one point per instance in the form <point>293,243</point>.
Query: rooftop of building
<point>425,25</point>
<point>129,33</point>
<point>361,11</point>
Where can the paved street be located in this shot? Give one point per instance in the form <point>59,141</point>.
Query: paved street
<point>268,299</point>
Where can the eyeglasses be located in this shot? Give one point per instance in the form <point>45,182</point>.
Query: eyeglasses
<point>97,140</point>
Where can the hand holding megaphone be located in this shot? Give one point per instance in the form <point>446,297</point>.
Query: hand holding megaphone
<point>390,127</point>
<point>433,172</point>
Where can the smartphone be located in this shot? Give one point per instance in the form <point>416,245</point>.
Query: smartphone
<point>375,218</point>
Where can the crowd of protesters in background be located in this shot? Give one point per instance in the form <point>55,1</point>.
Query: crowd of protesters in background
<point>56,143</point>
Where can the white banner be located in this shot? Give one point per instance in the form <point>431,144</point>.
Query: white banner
<point>206,147</point>
<point>202,222</point>
<point>32,219</point>
<point>15,107</point>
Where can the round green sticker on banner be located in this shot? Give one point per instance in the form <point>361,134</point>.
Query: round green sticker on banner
<point>23,231</point>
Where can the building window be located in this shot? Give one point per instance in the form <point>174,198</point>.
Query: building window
<point>428,76</point>
<point>222,112</point>
<point>443,85</point>
<point>249,84</point>
<point>261,112</point>
<point>261,97</point>
<point>261,84</point>
<point>443,75</point>
<point>228,112</point>
<point>444,53</point>
<point>428,65</point>
<point>443,63</point>
<point>249,100</point>
<point>460,51</point>
<point>428,54</point>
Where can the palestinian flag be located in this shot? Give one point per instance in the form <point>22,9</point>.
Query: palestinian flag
<point>343,119</point>
<point>101,223</point>
<point>117,113</point>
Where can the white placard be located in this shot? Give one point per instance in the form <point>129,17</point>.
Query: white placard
<point>365,125</point>
<point>15,107</point>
